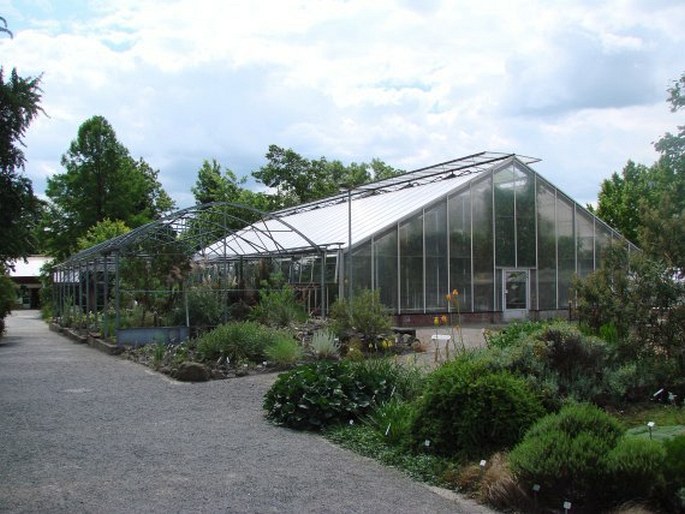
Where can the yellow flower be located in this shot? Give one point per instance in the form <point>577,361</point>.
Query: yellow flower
<point>444,319</point>
<point>436,321</point>
<point>448,297</point>
<point>455,293</point>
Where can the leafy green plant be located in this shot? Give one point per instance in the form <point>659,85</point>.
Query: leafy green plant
<point>635,467</point>
<point>393,420</point>
<point>8,296</point>
<point>284,351</point>
<point>364,314</point>
<point>566,454</point>
<point>469,410</point>
<point>158,351</point>
<point>235,341</point>
<point>674,472</point>
<point>278,307</point>
<point>204,308</point>
<point>317,395</point>
<point>324,345</point>
<point>513,333</point>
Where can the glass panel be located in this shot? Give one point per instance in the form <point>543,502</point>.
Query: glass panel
<point>603,238</point>
<point>585,234</point>
<point>516,292</point>
<point>385,268</point>
<point>483,279</point>
<point>361,267</point>
<point>435,228</point>
<point>525,219</point>
<point>411,264</point>
<point>459,208</point>
<point>504,217</point>
<point>547,249</point>
<point>565,248</point>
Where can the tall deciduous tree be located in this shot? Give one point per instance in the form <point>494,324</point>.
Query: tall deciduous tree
<point>297,180</point>
<point>101,181</point>
<point>19,105</point>
<point>647,203</point>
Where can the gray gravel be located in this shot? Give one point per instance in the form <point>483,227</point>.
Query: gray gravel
<point>81,431</point>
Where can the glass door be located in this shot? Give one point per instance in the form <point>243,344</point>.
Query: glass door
<point>515,293</point>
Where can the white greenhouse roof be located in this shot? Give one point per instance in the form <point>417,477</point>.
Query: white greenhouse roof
<point>29,268</point>
<point>374,207</point>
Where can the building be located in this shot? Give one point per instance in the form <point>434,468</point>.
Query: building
<point>486,225</point>
<point>26,275</point>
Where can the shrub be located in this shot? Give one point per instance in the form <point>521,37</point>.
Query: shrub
<point>364,314</point>
<point>468,410</point>
<point>513,333</point>
<point>393,420</point>
<point>8,296</point>
<point>278,307</point>
<point>566,453</point>
<point>674,472</point>
<point>635,468</point>
<point>314,396</point>
<point>324,345</point>
<point>204,308</point>
<point>235,341</point>
<point>284,351</point>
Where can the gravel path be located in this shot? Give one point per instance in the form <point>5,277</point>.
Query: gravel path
<point>86,432</point>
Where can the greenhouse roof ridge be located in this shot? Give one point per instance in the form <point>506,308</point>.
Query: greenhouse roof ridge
<point>467,165</point>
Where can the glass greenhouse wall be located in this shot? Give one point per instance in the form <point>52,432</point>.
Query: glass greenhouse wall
<point>508,241</point>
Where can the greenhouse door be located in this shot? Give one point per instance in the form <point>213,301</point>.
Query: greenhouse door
<point>515,293</point>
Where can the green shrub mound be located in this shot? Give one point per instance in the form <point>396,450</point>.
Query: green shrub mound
<point>635,467</point>
<point>238,341</point>
<point>317,395</point>
<point>470,411</point>
<point>567,454</point>
<point>674,473</point>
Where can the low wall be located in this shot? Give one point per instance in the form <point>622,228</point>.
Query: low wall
<point>146,335</point>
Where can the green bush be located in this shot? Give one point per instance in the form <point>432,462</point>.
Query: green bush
<point>674,472</point>
<point>471,411</point>
<point>365,314</point>
<point>284,352</point>
<point>204,308</point>
<point>567,453</point>
<point>314,396</point>
<point>393,420</point>
<point>8,297</point>
<point>635,467</point>
<point>236,341</point>
<point>513,333</point>
<point>278,308</point>
<point>324,345</point>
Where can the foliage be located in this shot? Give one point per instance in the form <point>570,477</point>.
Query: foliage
<point>237,341</point>
<point>674,472</point>
<point>364,314</point>
<point>204,308</point>
<point>101,181</point>
<point>19,105</point>
<point>513,333</point>
<point>317,395</point>
<point>101,232</point>
<point>278,307</point>
<point>468,410</point>
<point>324,345</point>
<point>366,441</point>
<point>639,297</point>
<point>393,420</point>
<point>8,297</point>
<point>284,352</point>
<point>647,204</point>
<point>299,180</point>
<point>635,466</point>
<point>566,454</point>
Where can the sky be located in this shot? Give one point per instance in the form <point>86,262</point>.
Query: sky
<point>579,84</point>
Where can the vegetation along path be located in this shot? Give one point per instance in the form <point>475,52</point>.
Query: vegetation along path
<point>86,432</point>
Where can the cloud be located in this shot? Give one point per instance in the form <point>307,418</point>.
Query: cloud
<point>412,83</point>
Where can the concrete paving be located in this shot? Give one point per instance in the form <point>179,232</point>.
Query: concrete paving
<point>82,431</point>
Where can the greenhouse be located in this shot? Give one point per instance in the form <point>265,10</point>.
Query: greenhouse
<point>486,225</point>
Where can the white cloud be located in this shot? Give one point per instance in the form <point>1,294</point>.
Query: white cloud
<point>579,84</point>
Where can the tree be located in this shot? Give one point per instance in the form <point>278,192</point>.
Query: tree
<point>647,204</point>
<point>299,180</point>
<point>101,181</point>
<point>101,232</point>
<point>19,105</point>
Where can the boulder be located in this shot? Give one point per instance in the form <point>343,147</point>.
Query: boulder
<point>192,372</point>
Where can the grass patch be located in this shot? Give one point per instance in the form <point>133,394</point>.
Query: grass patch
<point>366,441</point>
<point>661,415</point>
